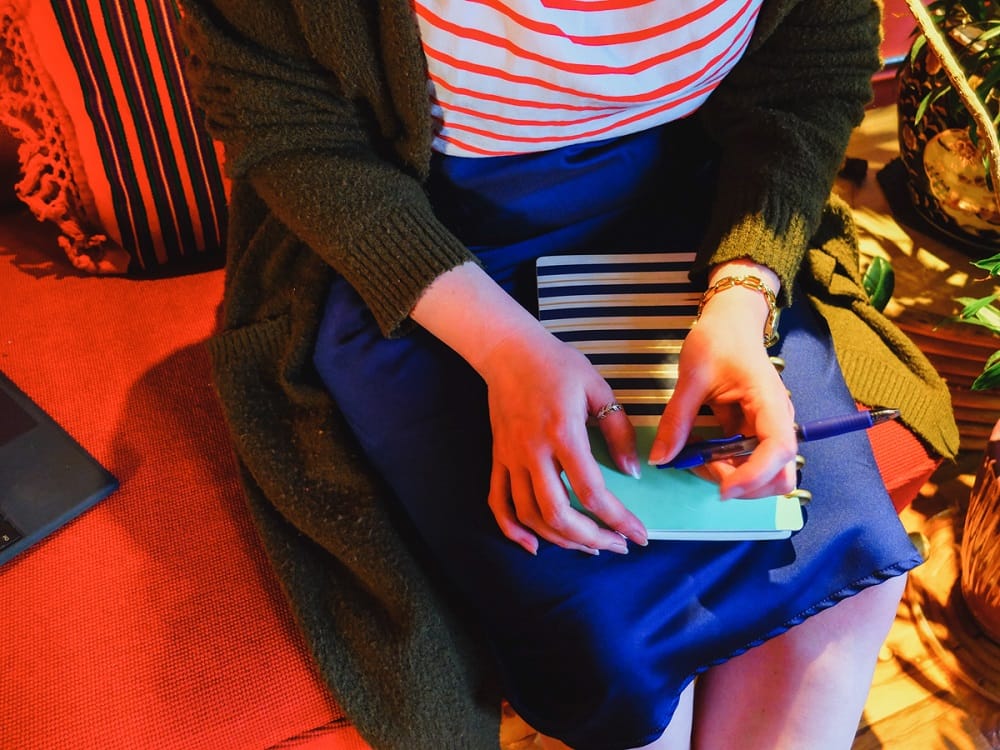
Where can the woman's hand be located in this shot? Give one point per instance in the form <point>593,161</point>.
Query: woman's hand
<point>724,364</point>
<point>541,394</point>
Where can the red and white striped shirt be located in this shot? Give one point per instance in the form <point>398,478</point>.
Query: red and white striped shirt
<point>516,76</point>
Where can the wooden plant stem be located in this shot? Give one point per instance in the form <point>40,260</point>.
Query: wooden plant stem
<point>984,123</point>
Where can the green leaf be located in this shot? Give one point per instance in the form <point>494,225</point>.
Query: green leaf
<point>980,312</point>
<point>932,96</point>
<point>994,359</point>
<point>879,281</point>
<point>991,264</point>
<point>922,107</point>
<point>989,317</point>
<point>989,34</point>
<point>973,304</point>
<point>990,376</point>
<point>918,44</point>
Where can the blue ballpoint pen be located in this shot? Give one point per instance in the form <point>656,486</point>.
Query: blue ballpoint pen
<point>696,454</point>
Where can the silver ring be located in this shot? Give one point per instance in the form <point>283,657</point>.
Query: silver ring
<point>607,409</point>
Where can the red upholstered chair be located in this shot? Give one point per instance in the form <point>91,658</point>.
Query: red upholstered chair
<point>153,620</point>
<point>902,460</point>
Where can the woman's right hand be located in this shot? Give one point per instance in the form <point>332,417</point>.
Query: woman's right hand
<point>542,393</point>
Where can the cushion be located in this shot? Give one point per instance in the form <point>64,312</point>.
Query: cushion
<point>903,461</point>
<point>111,149</point>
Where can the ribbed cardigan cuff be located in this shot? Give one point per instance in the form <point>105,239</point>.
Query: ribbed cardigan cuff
<point>875,384</point>
<point>393,263</point>
<point>772,235</point>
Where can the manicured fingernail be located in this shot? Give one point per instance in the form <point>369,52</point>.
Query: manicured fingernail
<point>657,453</point>
<point>633,468</point>
<point>732,492</point>
<point>636,534</point>
<point>620,547</point>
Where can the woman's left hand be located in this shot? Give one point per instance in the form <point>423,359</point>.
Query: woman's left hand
<point>724,364</point>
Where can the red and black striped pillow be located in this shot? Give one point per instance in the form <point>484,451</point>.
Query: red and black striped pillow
<point>113,150</point>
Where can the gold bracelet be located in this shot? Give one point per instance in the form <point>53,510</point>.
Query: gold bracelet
<point>748,282</point>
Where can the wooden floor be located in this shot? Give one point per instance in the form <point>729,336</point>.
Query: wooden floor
<point>937,684</point>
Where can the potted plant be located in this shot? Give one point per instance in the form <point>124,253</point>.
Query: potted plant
<point>941,148</point>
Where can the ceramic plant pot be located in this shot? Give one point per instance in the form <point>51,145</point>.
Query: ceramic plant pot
<point>946,178</point>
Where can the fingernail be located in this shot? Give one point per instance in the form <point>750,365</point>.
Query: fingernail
<point>620,547</point>
<point>731,493</point>
<point>633,468</point>
<point>657,453</point>
<point>637,534</point>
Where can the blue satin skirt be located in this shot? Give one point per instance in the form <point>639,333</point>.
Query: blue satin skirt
<point>596,650</point>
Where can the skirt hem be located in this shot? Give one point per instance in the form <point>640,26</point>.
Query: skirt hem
<point>846,592</point>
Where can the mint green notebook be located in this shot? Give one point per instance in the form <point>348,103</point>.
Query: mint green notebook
<point>676,504</point>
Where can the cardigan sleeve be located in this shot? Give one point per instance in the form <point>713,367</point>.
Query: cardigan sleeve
<point>782,119</point>
<point>314,149</point>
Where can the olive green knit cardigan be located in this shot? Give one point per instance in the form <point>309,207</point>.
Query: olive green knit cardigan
<point>322,108</point>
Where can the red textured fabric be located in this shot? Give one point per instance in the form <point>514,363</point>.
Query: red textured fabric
<point>903,462</point>
<point>153,620</point>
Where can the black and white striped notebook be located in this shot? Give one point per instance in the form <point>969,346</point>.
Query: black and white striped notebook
<point>629,314</point>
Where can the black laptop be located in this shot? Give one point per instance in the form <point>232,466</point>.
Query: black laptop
<point>46,478</point>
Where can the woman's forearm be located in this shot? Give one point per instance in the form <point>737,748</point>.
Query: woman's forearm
<point>472,314</point>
